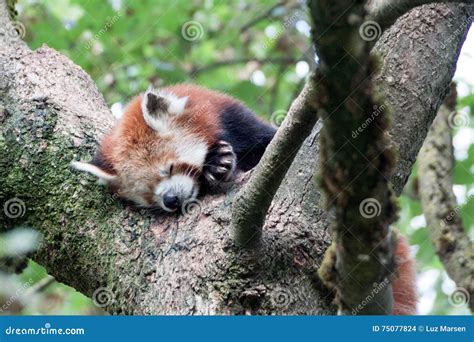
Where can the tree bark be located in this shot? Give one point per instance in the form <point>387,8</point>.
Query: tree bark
<point>253,200</point>
<point>137,262</point>
<point>357,162</point>
<point>386,12</point>
<point>444,224</point>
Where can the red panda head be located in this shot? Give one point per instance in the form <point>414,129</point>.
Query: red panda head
<point>153,156</point>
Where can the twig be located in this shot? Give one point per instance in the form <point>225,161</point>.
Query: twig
<point>272,60</point>
<point>42,285</point>
<point>444,224</point>
<point>262,16</point>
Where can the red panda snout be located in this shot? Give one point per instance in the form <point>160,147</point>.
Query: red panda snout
<point>167,185</point>
<point>171,193</point>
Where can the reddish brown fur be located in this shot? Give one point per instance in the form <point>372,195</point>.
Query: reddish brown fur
<point>404,286</point>
<point>200,117</point>
<point>133,145</point>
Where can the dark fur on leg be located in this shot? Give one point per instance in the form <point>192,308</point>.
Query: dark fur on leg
<point>248,135</point>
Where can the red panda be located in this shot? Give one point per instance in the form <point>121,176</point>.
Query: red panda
<point>172,141</point>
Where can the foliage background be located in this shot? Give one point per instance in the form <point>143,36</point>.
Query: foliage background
<point>256,51</point>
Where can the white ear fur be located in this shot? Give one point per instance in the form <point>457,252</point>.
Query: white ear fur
<point>177,104</point>
<point>104,177</point>
<point>168,105</point>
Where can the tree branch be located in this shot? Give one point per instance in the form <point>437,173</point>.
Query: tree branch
<point>386,12</point>
<point>444,224</point>
<point>356,170</point>
<point>252,202</point>
<point>415,90</point>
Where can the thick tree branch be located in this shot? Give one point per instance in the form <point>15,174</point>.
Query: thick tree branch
<point>252,202</point>
<point>386,12</point>
<point>356,169</point>
<point>413,87</point>
<point>142,263</point>
<point>444,224</point>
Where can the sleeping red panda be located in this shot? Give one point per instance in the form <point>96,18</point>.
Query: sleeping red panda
<point>171,142</point>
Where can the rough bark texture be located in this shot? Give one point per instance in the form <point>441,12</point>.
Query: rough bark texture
<point>357,161</point>
<point>252,202</point>
<point>444,224</point>
<point>141,263</point>
<point>386,12</point>
<point>418,66</point>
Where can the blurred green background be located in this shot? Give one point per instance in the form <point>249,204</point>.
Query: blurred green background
<point>257,52</point>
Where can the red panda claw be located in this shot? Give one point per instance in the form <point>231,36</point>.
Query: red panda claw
<point>210,177</point>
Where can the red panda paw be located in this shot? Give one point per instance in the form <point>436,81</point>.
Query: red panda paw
<point>220,164</point>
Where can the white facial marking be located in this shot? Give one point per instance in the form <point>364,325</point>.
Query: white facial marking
<point>190,149</point>
<point>182,186</point>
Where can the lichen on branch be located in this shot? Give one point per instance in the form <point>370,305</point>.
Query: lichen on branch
<point>357,160</point>
<point>444,224</point>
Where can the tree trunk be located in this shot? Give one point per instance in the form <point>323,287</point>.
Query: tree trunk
<point>138,262</point>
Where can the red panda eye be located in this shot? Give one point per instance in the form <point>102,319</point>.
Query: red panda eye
<point>164,172</point>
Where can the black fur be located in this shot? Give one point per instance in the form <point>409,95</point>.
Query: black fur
<point>156,103</point>
<point>100,161</point>
<point>248,135</point>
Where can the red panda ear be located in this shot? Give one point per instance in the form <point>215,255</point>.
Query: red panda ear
<point>158,106</point>
<point>103,175</point>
